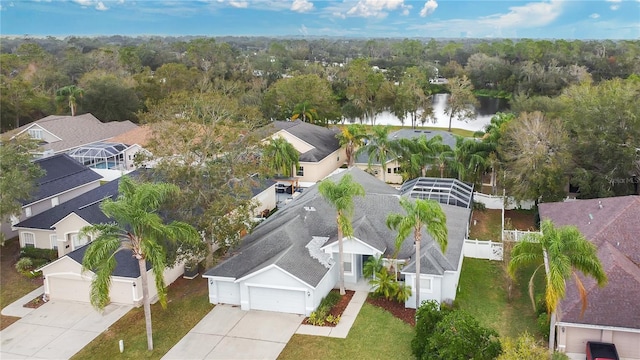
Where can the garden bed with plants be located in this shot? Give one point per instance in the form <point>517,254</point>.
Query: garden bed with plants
<point>330,309</point>
<point>396,308</point>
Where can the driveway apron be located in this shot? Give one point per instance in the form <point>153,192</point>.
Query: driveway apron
<point>228,332</point>
<point>57,330</point>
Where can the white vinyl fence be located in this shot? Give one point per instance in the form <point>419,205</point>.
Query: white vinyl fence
<point>516,235</point>
<point>496,202</point>
<point>482,249</point>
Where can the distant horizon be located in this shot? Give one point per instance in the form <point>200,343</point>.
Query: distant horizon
<point>351,19</point>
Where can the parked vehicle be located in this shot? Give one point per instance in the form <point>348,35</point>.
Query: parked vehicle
<point>601,351</point>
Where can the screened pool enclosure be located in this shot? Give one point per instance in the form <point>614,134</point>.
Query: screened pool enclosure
<point>101,155</point>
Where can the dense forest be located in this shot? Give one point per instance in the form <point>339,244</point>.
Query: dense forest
<point>575,102</point>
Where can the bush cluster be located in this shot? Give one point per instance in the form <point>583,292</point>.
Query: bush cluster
<point>321,316</point>
<point>452,334</point>
<point>35,253</point>
<point>386,285</point>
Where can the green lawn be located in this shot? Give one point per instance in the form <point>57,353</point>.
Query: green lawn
<point>376,334</point>
<point>187,304</point>
<point>483,293</point>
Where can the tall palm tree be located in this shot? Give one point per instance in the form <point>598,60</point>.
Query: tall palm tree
<point>351,137</point>
<point>137,227</point>
<point>419,214</point>
<point>281,156</point>
<point>340,196</point>
<point>561,251</point>
<point>379,148</point>
<point>69,94</point>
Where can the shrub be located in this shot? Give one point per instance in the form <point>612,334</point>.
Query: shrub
<point>24,264</point>
<point>524,347</point>
<point>35,253</point>
<point>479,206</point>
<point>321,315</point>
<point>427,316</point>
<point>372,266</point>
<point>544,324</point>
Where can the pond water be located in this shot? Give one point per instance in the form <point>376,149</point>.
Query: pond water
<point>488,108</point>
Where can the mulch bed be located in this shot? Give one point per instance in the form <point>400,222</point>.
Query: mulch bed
<point>35,303</point>
<point>338,309</point>
<point>395,308</point>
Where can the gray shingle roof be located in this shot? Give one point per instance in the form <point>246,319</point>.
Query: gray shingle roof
<point>62,173</point>
<point>322,139</point>
<point>613,225</point>
<point>282,239</point>
<point>126,264</point>
<point>78,130</point>
<point>87,206</point>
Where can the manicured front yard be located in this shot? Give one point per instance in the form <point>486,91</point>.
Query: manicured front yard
<point>188,303</point>
<point>483,293</point>
<point>13,285</point>
<point>376,334</point>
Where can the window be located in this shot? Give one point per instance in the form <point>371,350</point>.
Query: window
<point>35,133</point>
<point>53,238</point>
<point>347,263</point>
<point>28,240</point>
<point>300,171</point>
<point>77,241</point>
<point>338,158</point>
<point>27,211</point>
<point>425,284</point>
<point>54,202</point>
<point>389,171</point>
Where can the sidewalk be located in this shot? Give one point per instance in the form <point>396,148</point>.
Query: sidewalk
<point>346,320</point>
<point>17,309</point>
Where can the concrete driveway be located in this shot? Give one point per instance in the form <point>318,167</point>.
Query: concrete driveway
<point>57,330</point>
<point>230,333</point>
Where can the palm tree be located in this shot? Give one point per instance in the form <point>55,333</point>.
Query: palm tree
<point>562,251</point>
<point>379,148</point>
<point>340,196</point>
<point>417,154</point>
<point>305,111</point>
<point>69,94</point>
<point>420,213</point>
<point>281,156</point>
<point>137,227</point>
<point>351,137</point>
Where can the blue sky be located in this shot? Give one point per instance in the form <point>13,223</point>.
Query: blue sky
<point>552,19</point>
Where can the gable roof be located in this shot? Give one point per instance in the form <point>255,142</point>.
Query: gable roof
<point>74,131</point>
<point>612,225</point>
<point>62,173</point>
<point>86,205</point>
<point>140,135</point>
<point>323,140</point>
<point>284,238</point>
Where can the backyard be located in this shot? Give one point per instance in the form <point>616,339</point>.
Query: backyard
<point>487,224</point>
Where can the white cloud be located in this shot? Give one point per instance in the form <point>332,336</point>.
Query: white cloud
<point>594,15</point>
<point>100,6</point>
<point>84,2</point>
<point>429,7</point>
<point>529,15</point>
<point>376,8</point>
<point>301,6</point>
<point>239,4</point>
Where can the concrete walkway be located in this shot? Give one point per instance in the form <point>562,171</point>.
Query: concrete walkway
<point>16,309</point>
<point>346,320</point>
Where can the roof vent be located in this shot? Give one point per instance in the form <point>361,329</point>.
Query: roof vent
<point>309,208</point>
<point>599,204</point>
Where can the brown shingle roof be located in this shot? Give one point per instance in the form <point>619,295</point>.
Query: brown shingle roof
<point>139,135</point>
<point>613,225</point>
<point>78,130</point>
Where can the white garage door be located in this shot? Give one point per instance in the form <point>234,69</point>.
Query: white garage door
<point>68,289</point>
<point>288,301</point>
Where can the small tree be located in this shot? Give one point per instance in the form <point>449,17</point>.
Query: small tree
<point>458,335</point>
<point>69,94</point>
<point>461,102</point>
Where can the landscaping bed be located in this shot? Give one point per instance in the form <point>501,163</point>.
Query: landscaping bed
<point>336,310</point>
<point>395,308</point>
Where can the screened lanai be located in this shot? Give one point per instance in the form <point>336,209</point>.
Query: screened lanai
<point>101,155</point>
<point>444,191</point>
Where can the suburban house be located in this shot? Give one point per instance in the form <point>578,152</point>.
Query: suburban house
<point>394,175</point>
<point>319,148</point>
<point>60,227</point>
<point>63,179</point>
<point>59,134</point>
<point>288,263</point>
<point>613,312</point>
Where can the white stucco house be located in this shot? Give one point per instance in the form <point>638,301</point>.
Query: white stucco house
<point>288,263</point>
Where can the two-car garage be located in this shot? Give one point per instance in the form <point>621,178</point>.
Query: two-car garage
<point>270,299</point>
